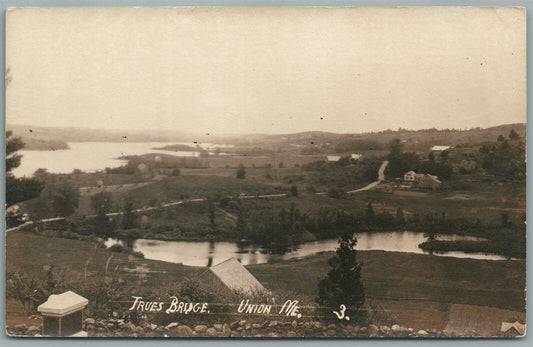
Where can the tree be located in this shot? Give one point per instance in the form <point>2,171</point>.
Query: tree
<point>369,212</point>
<point>400,219</point>
<point>241,172</point>
<point>13,145</point>
<point>102,204</point>
<point>294,190</point>
<point>342,285</point>
<point>513,135</point>
<point>65,200</point>
<point>18,189</point>
<point>399,162</point>
<point>211,209</point>
<point>241,225</point>
<point>500,138</point>
<point>129,220</point>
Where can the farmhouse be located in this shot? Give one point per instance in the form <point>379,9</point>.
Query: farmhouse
<point>411,176</point>
<point>232,275</point>
<point>425,181</point>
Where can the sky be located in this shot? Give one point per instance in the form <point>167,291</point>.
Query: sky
<point>266,70</point>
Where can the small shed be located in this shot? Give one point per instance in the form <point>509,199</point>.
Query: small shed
<point>333,158</point>
<point>232,275</point>
<point>63,315</point>
<point>515,329</point>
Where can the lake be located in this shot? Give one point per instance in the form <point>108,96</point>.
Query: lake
<point>93,156</point>
<point>212,253</point>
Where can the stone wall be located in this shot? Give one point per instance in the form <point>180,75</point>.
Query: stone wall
<point>116,327</point>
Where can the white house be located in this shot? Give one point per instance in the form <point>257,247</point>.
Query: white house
<point>410,176</point>
<point>357,156</point>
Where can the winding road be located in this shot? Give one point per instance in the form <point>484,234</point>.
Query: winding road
<point>381,177</point>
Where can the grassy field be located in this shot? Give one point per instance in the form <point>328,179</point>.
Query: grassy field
<point>415,290</point>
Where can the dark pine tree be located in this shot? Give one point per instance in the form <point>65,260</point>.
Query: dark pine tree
<point>342,285</point>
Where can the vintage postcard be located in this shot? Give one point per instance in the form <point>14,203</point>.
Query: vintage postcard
<point>310,172</point>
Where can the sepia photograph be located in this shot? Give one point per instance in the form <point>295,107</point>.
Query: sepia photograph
<point>265,172</point>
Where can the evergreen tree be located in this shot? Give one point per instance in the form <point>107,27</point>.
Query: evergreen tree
<point>18,189</point>
<point>513,135</point>
<point>342,285</point>
<point>241,172</point>
<point>400,219</point>
<point>211,208</point>
<point>129,221</point>
<point>102,204</point>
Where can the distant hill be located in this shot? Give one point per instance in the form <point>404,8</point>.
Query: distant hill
<point>56,138</point>
<point>30,133</point>
<point>413,140</point>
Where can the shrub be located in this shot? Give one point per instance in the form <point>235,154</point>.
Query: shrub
<point>241,172</point>
<point>138,255</point>
<point>116,248</point>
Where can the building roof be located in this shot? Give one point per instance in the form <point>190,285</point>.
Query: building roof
<point>235,276</point>
<point>440,148</point>
<point>59,305</point>
<point>520,328</point>
<point>334,158</point>
<point>356,155</point>
<point>410,172</point>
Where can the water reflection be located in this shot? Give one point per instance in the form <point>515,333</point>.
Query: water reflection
<point>211,253</point>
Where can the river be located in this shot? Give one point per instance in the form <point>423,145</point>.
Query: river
<point>212,253</point>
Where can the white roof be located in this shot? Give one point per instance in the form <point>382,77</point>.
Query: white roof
<point>440,148</point>
<point>520,328</point>
<point>235,276</point>
<point>333,158</point>
<point>410,173</point>
<point>356,155</point>
<point>59,305</point>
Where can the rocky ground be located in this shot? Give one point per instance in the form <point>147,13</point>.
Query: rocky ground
<point>116,327</point>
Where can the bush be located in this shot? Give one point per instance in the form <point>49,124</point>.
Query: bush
<point>138,255</point>
<point>336,193</point>
<point>241,172</point>
<point>294,191</point>
<point>116,248</point>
